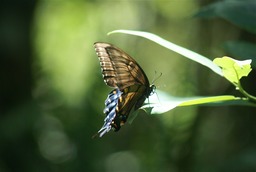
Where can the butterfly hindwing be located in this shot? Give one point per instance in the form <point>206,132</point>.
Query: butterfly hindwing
<point>111,104</point>
<point>118,106</point>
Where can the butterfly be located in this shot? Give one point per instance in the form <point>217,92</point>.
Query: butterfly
<point>130,83</point>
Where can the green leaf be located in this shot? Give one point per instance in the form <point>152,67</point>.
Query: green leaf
<point>176,48</point>
<point>233,70</point>
<point>162,102</point>
<point>241,13</point>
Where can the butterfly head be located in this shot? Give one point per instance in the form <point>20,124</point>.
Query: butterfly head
<point>152,90</point>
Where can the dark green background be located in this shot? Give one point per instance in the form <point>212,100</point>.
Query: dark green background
<point>52,94</point>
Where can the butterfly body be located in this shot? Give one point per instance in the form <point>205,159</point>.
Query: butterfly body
<point>131,85</point>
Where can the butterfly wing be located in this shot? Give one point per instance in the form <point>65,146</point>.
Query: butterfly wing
<point>119,70</point>
<point>131,85</point>
<point>119,104</point>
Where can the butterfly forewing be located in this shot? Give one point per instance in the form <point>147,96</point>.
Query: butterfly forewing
<point>119,70</point>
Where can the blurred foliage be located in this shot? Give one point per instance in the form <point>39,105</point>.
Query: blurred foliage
<point>243,50</point>
<point>52,94</point>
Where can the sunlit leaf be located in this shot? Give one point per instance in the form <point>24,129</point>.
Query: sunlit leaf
<point>162,102</point>
<point>176,48</point>
<point>233,70</point>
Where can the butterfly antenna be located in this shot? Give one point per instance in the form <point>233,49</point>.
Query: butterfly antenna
<point>155,78</point>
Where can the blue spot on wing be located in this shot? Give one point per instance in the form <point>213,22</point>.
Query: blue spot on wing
<point>110,110</point>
